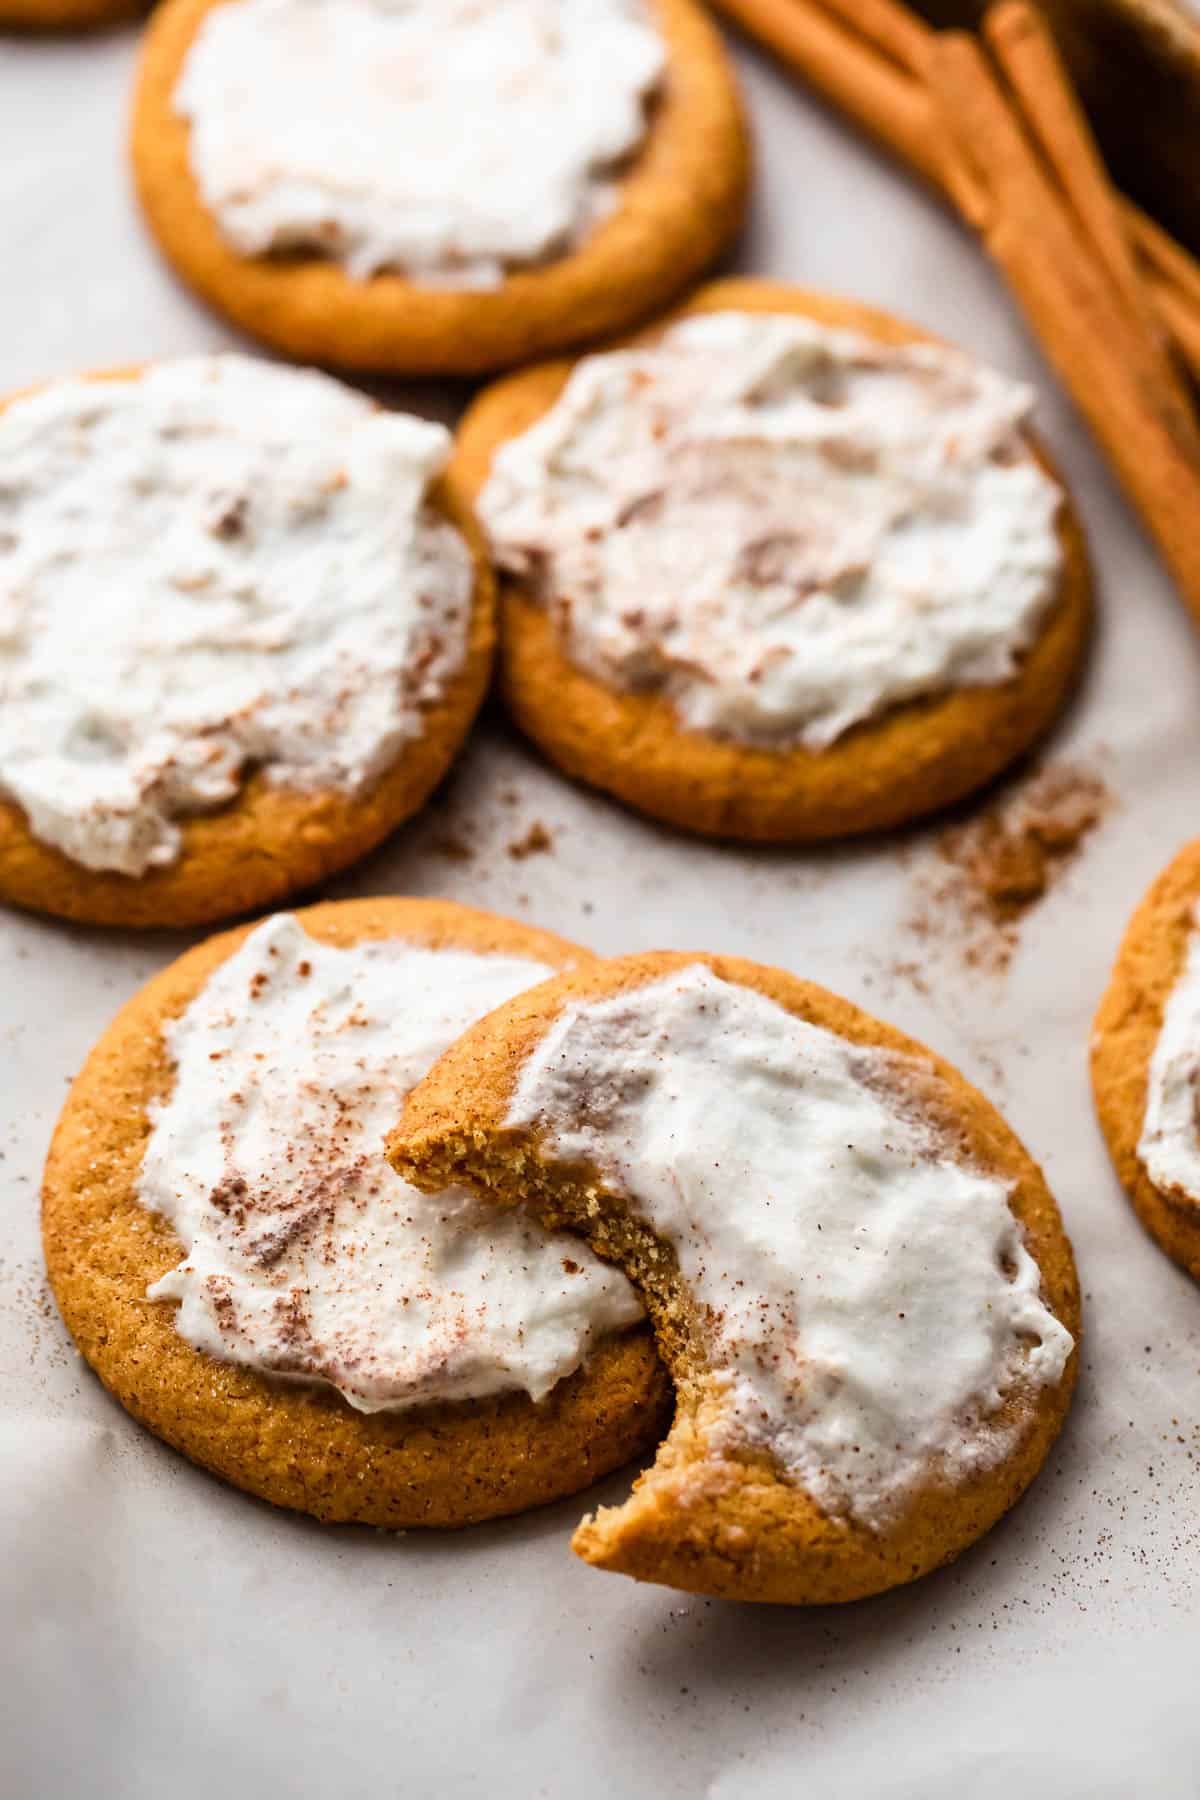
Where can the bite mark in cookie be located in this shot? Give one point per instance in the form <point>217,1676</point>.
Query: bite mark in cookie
<point>857,1277</point>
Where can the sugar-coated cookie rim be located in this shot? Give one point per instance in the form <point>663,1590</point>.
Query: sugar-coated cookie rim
<point>913,759</point>
<point>800,1555</point>
<point>395,1469</point>
<point>268,841</point>
<point>1149,962</point>
<point>682,202</point>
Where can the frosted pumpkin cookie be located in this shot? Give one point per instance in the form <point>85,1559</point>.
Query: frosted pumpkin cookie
<point>245,624</point>
<point>1146,1060</point>
<point>443,186</point>
<point>779,568</point>
<point>243,1270</point>
<point>857,1277</point>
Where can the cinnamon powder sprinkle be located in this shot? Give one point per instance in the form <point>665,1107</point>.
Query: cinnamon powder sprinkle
<point>453,848</point>
<point>536,842</point>
<point>991,870</point>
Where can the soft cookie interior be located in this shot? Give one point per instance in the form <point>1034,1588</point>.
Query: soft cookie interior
<point>728,1520</point>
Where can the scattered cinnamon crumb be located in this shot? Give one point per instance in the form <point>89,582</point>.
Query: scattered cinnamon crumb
<point>910,969</point>
<point>454,849</point>
<point>1013,852</point>
<point>230,521</point>
<point>989,871</point>
<point>536,842</point>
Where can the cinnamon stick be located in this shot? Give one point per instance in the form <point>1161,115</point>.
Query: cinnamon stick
<point>1173,275</point>
<point>1101,355</point>
<point>1163,255</point>
<point>1028,57</point>
<point>1181,318</point>
<point>890,104</point>
<point>897,33</point>
<point>868,57</point>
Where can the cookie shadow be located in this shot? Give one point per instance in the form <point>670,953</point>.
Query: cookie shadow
<point>713,1650</point>
<point>464,1544</point>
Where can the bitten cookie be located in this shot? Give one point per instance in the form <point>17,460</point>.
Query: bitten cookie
<point>1146,1060</point>
<point>248,1277</point>
<point>857,1277</point>
<point>447,186</point>
<point>780,568</point>
<point>248,622</point>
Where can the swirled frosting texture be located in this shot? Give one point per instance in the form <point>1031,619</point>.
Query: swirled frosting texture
<point>449,140</point>
<point>786,529</point>
<point>215,566</point>
<point>866,1297</point>
<point>305,1255</point>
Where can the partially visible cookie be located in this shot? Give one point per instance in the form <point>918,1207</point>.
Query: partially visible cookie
<point>1146,1060</point>
<point>856,1274</point>
<point>309,1327</point>
<point>66,15</point>
<point>443,187</point>
<point>781,568</point>
<point>250,622</point>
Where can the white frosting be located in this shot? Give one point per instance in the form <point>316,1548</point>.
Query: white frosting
<point>217,566</point>
<point>1169,1146</point>
<point>867,1299</point>
<point>306,1255</point>
<point>449,139</point>
<point>784,528</point>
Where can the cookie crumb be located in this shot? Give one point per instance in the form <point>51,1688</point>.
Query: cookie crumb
<point>454,849</point>
<point>536,842</point>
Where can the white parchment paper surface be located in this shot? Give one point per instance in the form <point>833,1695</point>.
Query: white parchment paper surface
<point>163,1635</point>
